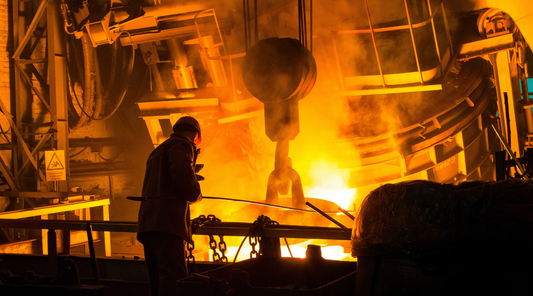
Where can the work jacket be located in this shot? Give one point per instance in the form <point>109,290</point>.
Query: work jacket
<point>169,187</point>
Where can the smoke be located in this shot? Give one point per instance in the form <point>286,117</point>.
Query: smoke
<point>242,157</point>
<point>237,164</point>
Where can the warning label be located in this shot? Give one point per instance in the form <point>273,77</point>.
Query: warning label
<point>55,165</point>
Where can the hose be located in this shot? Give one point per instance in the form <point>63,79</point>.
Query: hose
<point>124,87</point>
<point>88,93</point>
<point>98,83</point>
<point>94,95</point>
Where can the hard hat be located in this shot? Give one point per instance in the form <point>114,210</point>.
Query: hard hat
<point>189,121</point>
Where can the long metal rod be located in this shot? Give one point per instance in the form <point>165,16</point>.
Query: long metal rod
<point>521,169</point>
<point>507,116</point>
<point>413,41</point>
<point>139,198</point>
<point>346,213</point>
<point>384,29</point>
<point>256,23</point>
<point>247,20</point>
<point>257,203</point>
<point>374,42</point>
<point>90,242</point>
<point>52,251</point>
<point>311,26</point>
<point>325,215</point>
<point>213,228</point>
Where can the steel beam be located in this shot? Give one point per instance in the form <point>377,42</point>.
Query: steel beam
<point>59,208</point>
<point>276,231</point>
<point>57,69</point>
<point>508,90</point>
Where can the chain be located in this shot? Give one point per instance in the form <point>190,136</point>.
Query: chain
<point>199,222</point>
<point>253,242</point>
<point>213,218</point>
<point>223,248</point>
<point>190,257</point>
<point>256,231</point>
<point>213,246</point>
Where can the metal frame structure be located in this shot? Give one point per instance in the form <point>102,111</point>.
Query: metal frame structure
<point>29,65</point>
<point>45,212</point>
<point>388,83</point>
<point>209,228</point>
<point>216,61</point>
<point>39,118</point>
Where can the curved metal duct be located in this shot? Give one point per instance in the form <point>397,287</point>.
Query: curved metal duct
<point>442,136</point>
<point>520,12</point>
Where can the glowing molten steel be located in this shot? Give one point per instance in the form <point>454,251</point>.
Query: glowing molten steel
<point>329,182</point>
<point>329,252</point>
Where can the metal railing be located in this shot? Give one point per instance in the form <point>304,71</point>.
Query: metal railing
<point>209,228</point>
<point>390,80</point>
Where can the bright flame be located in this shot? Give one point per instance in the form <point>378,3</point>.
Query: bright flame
<point>333,252</point>
<point>328,252</point>
<point>329,182</point>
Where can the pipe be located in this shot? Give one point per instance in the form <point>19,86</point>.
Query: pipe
<point>90,242</point>
<point>325,215</point>
<point>346,213</point>
<point>210,52</point>
<point>124,86</point>
<point>183,74</point>
<point>88,93</point>
<point>140,198</point>
<point>98,88</point>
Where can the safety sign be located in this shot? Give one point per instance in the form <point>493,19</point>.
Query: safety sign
<point>55,165</point>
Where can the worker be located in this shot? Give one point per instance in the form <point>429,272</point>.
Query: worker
<point>170,186</point>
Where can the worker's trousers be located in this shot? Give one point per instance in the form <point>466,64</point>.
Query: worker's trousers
<point>164,255</point>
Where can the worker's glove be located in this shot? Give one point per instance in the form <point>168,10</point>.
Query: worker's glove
<point>198,167</point>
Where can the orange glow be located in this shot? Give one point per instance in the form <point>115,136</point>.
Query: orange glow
<point>329,182</point>
<point>318,156</point>
<point>329,252</point>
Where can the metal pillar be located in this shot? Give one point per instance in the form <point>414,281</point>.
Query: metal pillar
<point>57,69</point>
<point>508,91</point>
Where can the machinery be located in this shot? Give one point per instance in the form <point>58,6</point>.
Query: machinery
<point>371,92</point>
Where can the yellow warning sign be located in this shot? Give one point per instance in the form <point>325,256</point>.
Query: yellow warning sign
<point>55,165</point>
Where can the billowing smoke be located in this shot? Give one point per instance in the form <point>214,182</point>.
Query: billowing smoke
<point>240,160</point>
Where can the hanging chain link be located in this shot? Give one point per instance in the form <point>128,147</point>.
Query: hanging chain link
<point>190,257</point>
<point>199,222</point>
<point>223,248</point>
<point>256,232</point>
<point>213,218</point>
<point>213,246</point>
<point>253,243</point>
